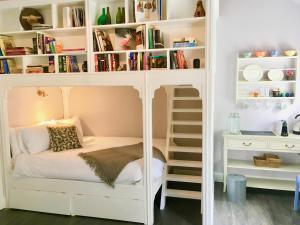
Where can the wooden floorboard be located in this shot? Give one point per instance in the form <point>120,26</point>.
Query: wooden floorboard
<point>263,207</point>
<point>177,212</point>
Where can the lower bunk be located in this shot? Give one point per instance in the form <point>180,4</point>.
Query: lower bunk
<point>62,182</point>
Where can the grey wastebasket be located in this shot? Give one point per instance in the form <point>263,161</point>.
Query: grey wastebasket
<point>236,188</point>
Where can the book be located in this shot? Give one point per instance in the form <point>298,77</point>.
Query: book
<point>150,38</point>
<point>5,43</point>
<point>140,37</point>
<point>104,42</point>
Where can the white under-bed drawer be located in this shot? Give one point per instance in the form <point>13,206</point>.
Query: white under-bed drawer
<point>41,201</point>
<point>109,208</point>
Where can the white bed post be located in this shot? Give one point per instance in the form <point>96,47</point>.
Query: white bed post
<point>65,92</point>
<point>4,148</point>
<point>147,122</point>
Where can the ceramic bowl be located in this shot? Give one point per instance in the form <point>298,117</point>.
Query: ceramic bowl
<point>247,54</point>
<point>260,54</point>
<point>290,53</point>
<point>274,53</point>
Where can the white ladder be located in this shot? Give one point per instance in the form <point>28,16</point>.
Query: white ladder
<point>193,173</point>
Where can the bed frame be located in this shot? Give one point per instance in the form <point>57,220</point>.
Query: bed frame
<point>80,198</point>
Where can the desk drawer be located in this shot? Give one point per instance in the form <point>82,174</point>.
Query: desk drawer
<point>248,144</point>
<point>285,145</point>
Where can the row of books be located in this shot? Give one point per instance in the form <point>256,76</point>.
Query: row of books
<point>44,44</point>
<point>68,64</point>
<point>8,66</point>
<point>108,62</point>
<point>177,60</point>
<point>146,61</point>
<point>155,38</point>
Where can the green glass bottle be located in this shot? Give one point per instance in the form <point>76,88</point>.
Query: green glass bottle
<point>103,18</point>
<point>119,16</point>
<point>108,16</point>
<point>123,14</point>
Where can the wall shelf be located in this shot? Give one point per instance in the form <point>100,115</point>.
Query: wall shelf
<point>262,90</point>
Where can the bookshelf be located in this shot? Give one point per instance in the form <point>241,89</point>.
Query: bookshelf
<point>173,24</point>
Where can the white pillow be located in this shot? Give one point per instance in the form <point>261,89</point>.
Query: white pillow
<point>36,138</point>
<point>16,142</point>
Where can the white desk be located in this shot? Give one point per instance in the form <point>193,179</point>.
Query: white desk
<point>261,144</point>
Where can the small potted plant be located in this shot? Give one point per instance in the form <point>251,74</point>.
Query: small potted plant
<point>290,75</point>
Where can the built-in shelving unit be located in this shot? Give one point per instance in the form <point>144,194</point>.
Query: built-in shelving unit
<point>173,25</point>
<point>261,90</point>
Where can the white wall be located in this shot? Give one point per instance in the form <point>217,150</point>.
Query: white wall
<point>250,25</point>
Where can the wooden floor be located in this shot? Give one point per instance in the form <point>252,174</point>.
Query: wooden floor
<point>263,207</point>
<point>177,212</point>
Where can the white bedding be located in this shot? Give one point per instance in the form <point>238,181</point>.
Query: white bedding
<point>68,165</point>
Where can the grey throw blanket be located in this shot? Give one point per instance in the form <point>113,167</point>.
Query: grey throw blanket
<point>108,163</point>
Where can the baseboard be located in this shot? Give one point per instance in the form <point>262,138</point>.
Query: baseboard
<point>218,177</point>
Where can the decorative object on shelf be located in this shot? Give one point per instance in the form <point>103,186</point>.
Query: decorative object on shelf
<point>261,54</point>
<point>290,74</point>
<point>147,10</point>
<point>6,42</point>
<point>29,16</point>
<point>290,53</point>
<point>253,73</point>
<point>119,16</point>
<point>276,92</point>
<point>125,39</point>
<point>84,66</point>
<point>234,123</point>
<point>247,54</point>
<point>200,11</point>
<point>296,127</point>
<point>267,160</point>
<point>67,17</point>
<point>274,53</point>
<point>158,62</point>
<point>275,75</point>
<point>281,128</point>
<point>103,41</point>
<point>196,63</point>
<point>102,19</point>
<point>123,15</point>
<point>108,16</point>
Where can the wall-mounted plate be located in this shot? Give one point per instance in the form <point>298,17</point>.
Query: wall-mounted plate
<point>275,75</point>
<point>253,73</point>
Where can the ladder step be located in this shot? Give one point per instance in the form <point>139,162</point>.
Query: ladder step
<point>185,149</point>
<point>184,194</point>
<point>184,178</point>
<point>185,163</point>
<point>186,99</point>
<point>186,122</point>
<point>186,135</point>
<point>186,110</point>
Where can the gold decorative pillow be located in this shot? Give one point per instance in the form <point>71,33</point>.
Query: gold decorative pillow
<point>63,138</point>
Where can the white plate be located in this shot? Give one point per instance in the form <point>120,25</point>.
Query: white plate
<point>253,73</point>
<point>275,75</point>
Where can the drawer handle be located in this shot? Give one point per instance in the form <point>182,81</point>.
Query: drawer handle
<point>290,146</point>
<point>247,145</point>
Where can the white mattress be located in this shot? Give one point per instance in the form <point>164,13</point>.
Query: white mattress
<point>68,165</point>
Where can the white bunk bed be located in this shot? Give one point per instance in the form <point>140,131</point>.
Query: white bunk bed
<point>62,183</point>
<point>71,197</point>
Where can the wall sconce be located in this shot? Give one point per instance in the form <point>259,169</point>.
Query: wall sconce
<point>41,93</point>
